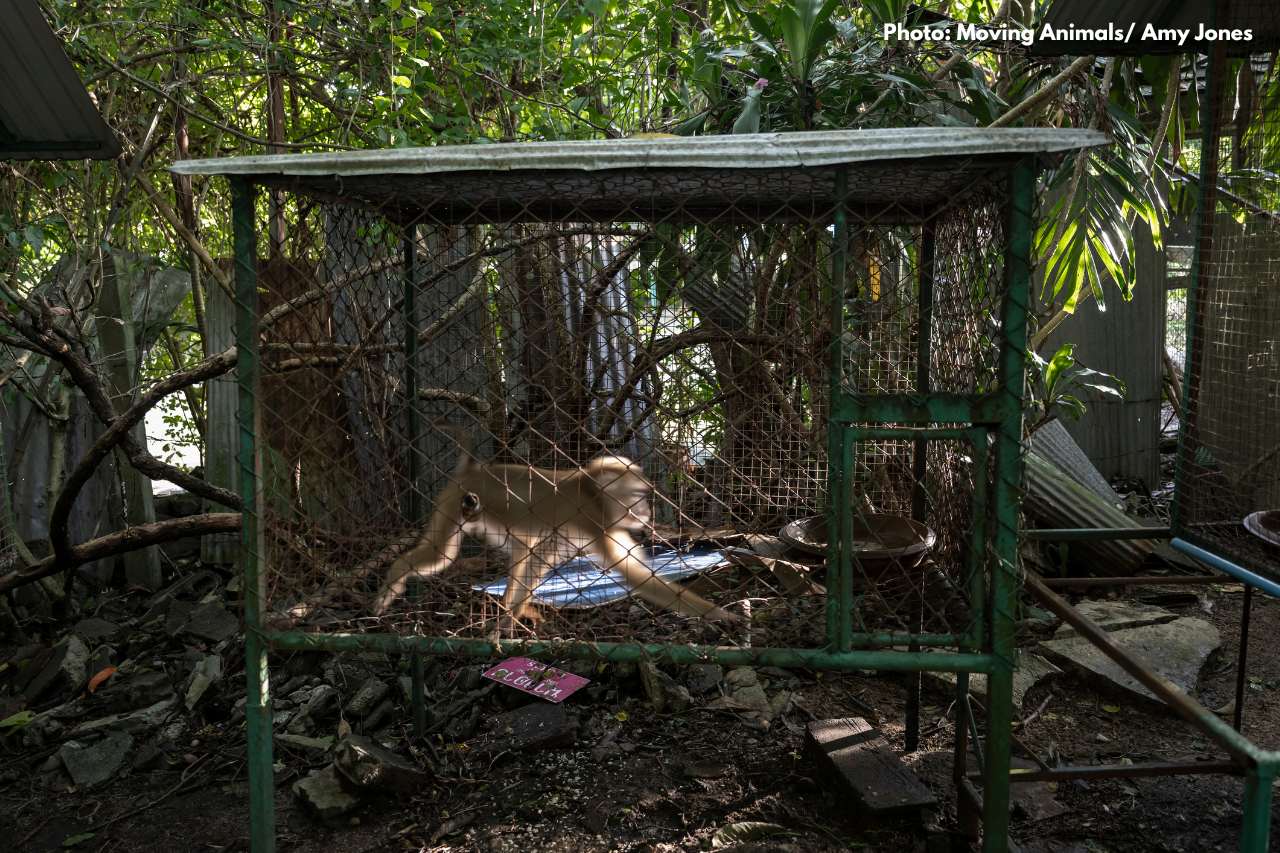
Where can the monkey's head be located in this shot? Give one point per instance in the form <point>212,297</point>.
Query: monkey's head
<point>470,505</point>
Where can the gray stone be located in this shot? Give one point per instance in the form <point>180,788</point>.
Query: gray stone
<point>212,622</point>
<point>133,722</point>
<point>149,757</point>
<point>126,691</point>
<point>323,795</point>
<point>206,673</point>
<point>379,715</point>
<point>1030,671</point>
<point>538,726</point>
<point>176,615</point>
<point>315,744</point>
<point>324,700</point>
<point>367,764</point>
<point>1034,801</point>
<point>94,630</point>
<point>1175,650</point>
<point>704,677</point>
<point>1117,615</point>
<point>101,658</point>
<point>368,696</point>
<point>91,764</point>
<point>65,672</point>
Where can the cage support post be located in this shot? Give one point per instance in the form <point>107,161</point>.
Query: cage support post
<point>1255,835</point>
<point>412,428</point>
<point>1242,660</point>
<point>919,466</point>
<point>262,836</point>
<point>1007,489</point>
<point>839,473</point>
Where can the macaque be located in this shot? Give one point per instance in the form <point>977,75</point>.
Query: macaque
<point>531,512</point>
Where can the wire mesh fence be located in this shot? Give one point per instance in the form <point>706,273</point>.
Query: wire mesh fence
<point>1230,455</point>
<point>596,405</point>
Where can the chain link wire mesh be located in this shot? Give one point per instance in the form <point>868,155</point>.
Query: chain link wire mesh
<point>508,333</point>
<point>1229,460</point>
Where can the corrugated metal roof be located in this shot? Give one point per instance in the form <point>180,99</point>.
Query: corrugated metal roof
<point>1260,16</point>
<point>744,151</point>
<point>45,112</point>
<point>892,175</point>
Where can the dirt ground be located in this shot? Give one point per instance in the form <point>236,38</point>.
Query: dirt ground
<point>637,779</point>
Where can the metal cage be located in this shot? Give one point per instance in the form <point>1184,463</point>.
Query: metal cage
<point>820,327</point>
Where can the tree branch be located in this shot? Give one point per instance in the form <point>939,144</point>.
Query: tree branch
<point>129,539</point>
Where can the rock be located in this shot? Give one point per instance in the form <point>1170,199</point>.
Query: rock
<point>90,764</point>
<point>745,693</point>
<point>315,744</point>
<point>129,690</point>
<point>379,715</point>
<point>1175,650</point>
<point>149,757</point>
<point>176,615</point>
<point>134,722</point>
<point>321,792</point>
<point>101,658</point>
<point>1034,800</point>
<point>1117,615</point>
<point>212,622</point>
<point>663,691</point>
<point>203,676</point>
<point>367,764</point>
<point>324,700</point>
<point>94,630</point>
<point>65,672</point>
<point>704,677</point>
<point>1030,671</point>
<point>538,726</point>
<point>367,697</point>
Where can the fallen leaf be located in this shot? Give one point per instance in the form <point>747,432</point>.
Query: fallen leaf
<point>621,716</point>
<point>344,728</point>
<point>1111,709</point>
<point>747,830</point>
<point>103,674</point>
<point>79,838</point>
<point>18,720</point>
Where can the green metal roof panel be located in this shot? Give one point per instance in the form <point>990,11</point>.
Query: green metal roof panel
<point>740,151</point>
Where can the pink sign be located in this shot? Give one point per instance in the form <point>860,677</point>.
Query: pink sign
<point>545,682</point>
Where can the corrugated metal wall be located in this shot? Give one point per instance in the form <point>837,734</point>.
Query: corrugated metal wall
<point>1123,438</point>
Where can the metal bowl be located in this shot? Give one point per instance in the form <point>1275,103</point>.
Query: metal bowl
<point>1265,525</point>
<point>879,541</point>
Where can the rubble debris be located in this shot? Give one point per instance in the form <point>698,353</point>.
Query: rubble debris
<point>315,744</point>
<point>536,726</point>
<point>324,796</point>
<point>92,763</point>
<point>64,672</point>
<point>369,765</point>
<point>212,622</point>
<point>203,676</point>
<point>860,760</point>
<point>1030,671</point>
<point>1117,615</point>
<point>1176,651</point>
<point>745,693</point>
<point>1034,801</point>
<point>367,697</point>
<point>133,722</point>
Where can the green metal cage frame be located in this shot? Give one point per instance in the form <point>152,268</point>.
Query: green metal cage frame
<point>991,425</point>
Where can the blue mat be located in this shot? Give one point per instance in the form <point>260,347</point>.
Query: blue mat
<point>582,582</point>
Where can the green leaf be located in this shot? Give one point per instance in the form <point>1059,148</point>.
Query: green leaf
<point>18,720</point>
<point>77,839</point>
